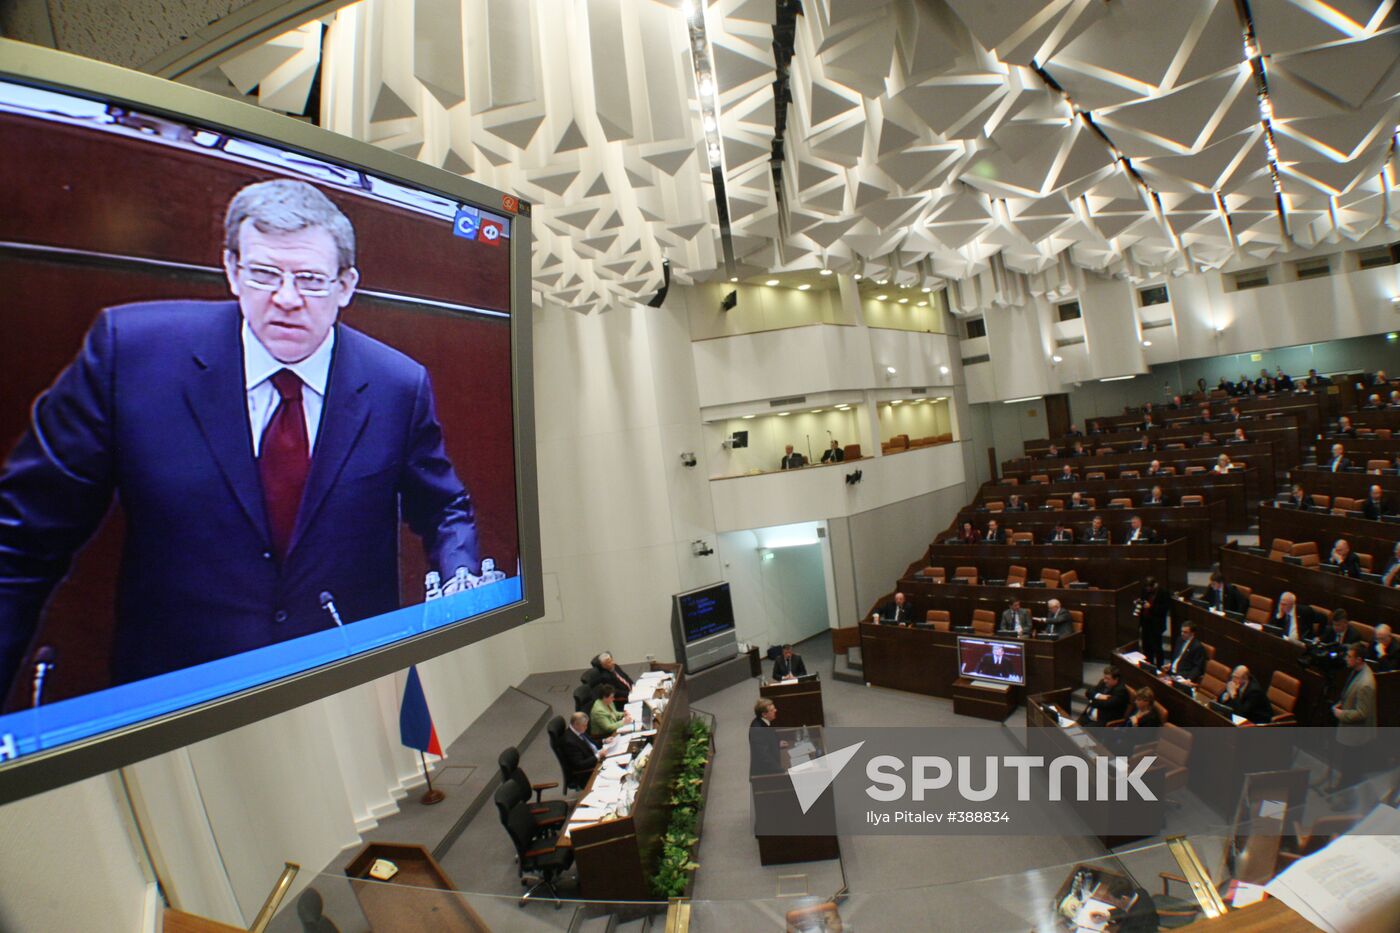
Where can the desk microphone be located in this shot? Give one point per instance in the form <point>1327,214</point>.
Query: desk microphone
<point>328,604</point>
<point>43,663</point>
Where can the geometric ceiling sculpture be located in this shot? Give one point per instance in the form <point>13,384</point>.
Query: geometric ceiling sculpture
<point>925,139</point>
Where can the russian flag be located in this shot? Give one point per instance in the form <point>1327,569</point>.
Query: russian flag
<point>416,728</point>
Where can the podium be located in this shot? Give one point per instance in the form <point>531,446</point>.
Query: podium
<point>799,704</point>
<point>984,700</point>
<point>419,897</point>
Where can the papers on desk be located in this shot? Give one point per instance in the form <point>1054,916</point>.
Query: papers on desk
<point>1257,626</point>
<point>1135,658</point>
<point>1238,719</point>
<point>1349,886</point>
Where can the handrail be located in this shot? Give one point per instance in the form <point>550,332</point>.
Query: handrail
<point>1196,875</point>
<point>678,915</point>
<point>274,898</point>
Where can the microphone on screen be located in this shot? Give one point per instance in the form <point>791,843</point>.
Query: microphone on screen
<point>43,663</point>
<point>328,604</point>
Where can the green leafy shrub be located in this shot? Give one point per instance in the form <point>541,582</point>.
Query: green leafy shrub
<point>675,864</point>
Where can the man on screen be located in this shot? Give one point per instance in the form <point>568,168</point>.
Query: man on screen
<point>995,663</point>
<point>263,454</point>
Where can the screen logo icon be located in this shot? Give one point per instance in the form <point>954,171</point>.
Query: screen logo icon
<point>492,231</point>
<point>467,223</point>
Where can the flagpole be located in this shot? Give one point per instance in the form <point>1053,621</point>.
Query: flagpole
<point>432,796</point>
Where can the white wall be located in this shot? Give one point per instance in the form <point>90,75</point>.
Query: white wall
<point>916,419</point>
<point>779,594</point>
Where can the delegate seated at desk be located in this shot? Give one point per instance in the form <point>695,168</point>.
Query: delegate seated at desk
<point>1223,597</point>
<point>765,750</point>
<point>605,718</point>
<point>1097,533</point>
<point>1014,504</point>
<point>995,533</point>
<point>1156,497</point>
<point>1066,475</point>
<point>1385,650</point>
<point>1244,697</point>
<point>579,751</point>
<point>791,461</point>
<point>994,663</point>
<point>896,612</point>
<point>1057,620</point>
<point>1339,632</point>
<point>1143,712</point>
<point>834,454</point>
<point>1377,505</point>
<point>1015,620</point>
<point>1139,533</point>
<point>1108,700</point>
<point>1189,662</point>
<point>788,664</point>
<point>1339,462</point>
<point>1343,559</point>
<point>1062,534</point>
<point>1391,577</point>
<point>1299,623</point>
<point>1076,501</point>
<point>1298,499</point>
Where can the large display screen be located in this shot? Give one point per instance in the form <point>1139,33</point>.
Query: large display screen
<point>989,659</point>
<point>706,612</point>
<point>261,414</point>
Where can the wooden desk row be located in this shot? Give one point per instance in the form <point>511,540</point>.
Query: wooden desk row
<point>1272,449</point>
<point>1203,526</point>
<point>1107,613</point>
<point>1364,601</point>
<point>924,661</point>
<point>613,859</point>
<point>1322,527</point>
<point>1309,409</point>
<point>1258,456</point>
<point>1104,565</point>
<point>1358,449</point>
<point>1228,488</point>
<point>1273,427</point>
<point>1350,485</point>
<point>1376,418</point>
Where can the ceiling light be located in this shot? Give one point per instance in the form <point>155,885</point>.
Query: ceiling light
<point>1056,358</point>
<point>709,123</point>
<point>771,282</point>
<point>882,281</point>
<point>943,370</point>
<point>1220,328</point>
<point>707,86</point>
<point>898,401</point>
<point>1118,378</point>
<point>818,411</point>
<point>1392,336</point>
<point>1028,398</point>
<point>1147,343</point>
<point>747,417</point>
<point>733,278</point>
<point>881,297</point>
<point>803,287</point>
<point>784,414</point>
<point>858,277</point>
<point>925,289</point>
<point>828,272</point>
<point>891,370</point>
<point>843,408</point>
<point>922,304</point>
<point>904,301</point>
<point>688,8</point>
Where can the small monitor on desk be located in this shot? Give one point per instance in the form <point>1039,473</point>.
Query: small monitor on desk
<point>1393,519</point>
<point>1222,709</point>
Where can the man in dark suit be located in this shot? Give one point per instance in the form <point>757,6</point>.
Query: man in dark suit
<point>995,534</point>
<point>1339,462</point>
<point>1062,534</point>
<point>1097,533</point>
<point>1376,505</point>
<point>834,454</point>
<point>1108,700</point>
<point>1224,597</point>
<point>1385,650</point>
<point>1014,504</point>
<point>1245,697</point>
<point>263,454</point>
<point>1339,632</point>
<point>896,612</point>
<point>791,461</point>
<point>1077,450</point>
<point>994,663</point>
<point>1299,623</point>
<point>1282,381</point>
<point>611,673</point>
<point>1139,533</point>
<point>765,751</point>
<point>788,664</point>
<point>1156,497</point>
<point>579,751</point>
<point>1299,500</point>
<point>1076,501</point>
<point>1207,439</point>
<point>1343,559</point>
<point>1058,621</point>
<point>1152,609</point>
<point>1344,427</point>
<point>1238,437</point>
<point>1189,662</point>
<point>1066,475</point>
<point>1205,416</point>
<point>1234,414</point>
<point>1015,620</point>
<point>1155,469</point>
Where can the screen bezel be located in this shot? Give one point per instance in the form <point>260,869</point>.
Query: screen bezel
<point>22,63</point>
<point>981,640</point>
<point>680,611</point>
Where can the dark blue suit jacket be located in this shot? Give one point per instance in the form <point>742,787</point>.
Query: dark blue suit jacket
<point>154,411</point>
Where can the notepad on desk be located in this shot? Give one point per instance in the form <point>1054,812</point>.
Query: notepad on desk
<point>1135,658</point>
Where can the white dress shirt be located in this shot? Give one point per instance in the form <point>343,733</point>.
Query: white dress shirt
<point>259,366</point>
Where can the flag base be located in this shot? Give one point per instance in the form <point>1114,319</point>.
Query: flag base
<point>432,796</point>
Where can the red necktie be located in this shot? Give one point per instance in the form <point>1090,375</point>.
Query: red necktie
<point>284,460</point>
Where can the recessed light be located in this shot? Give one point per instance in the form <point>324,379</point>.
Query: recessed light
<point>771,282</point>
<point>784,414</point>
<point>803,287</point>
<point>882,281</point>
<point>922,304</point>
<point>943,370</point>
<point>891,370</point>
<point>1057,358</point>
<point>904,301</point>
<point>857,276</point>
<point>1392,336</point>
<point>843,408</point>
<point>1147,343</point>
<point>925,289</point>
<point>733,278</point>
<point>898,401</point>
<point>828,272</point>
<point>818,411</point>
<point>747,417</point>
<point>881,297</point>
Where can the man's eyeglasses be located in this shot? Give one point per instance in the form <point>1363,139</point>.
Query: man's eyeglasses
<point>270,278</point>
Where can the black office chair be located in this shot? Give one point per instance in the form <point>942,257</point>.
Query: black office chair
<point>511,773</point>
<point>539,862</point>
<point>508,795</point>
<point>584,696</point>
<point>573,780</point>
